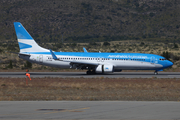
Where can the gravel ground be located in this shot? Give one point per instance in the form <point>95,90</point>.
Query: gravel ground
<point>91,89</point>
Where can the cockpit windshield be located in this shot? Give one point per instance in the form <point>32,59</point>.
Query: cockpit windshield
<point>162,59</point>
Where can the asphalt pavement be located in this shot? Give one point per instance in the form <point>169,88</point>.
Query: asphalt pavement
<point>127,110</point>
<point>83,74</point>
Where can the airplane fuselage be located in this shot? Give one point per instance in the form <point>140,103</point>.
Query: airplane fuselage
<point>120,61</point>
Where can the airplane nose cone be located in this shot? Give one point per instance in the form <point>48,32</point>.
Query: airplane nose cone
<point>169,64</point>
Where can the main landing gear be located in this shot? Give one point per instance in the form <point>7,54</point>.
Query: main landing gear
<point>89,72</point>
<point>155,73</point>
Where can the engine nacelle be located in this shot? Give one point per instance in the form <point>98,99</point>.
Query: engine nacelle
<point>104,69</point>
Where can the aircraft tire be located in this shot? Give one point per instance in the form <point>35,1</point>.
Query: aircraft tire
<point>155,73</point>
<point>88,72</point>
<point>93,72</point>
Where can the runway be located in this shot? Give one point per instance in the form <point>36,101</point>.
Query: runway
<point>83,74</point>
<point>89,110</point>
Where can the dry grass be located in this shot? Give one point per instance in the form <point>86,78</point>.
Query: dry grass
<point>90,89</point>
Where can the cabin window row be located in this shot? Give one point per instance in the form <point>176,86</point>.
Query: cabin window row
<point>95,59</point>
<point>131,59</point>
<point>83,58</point>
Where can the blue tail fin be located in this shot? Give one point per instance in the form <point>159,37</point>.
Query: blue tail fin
<point>26,42</point>
<point>21,31</point>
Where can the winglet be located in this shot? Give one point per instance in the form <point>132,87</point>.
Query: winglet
<point>53,55</point>
<point>85,49</point>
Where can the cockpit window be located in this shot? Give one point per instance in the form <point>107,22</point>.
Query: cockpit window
<point>162,59</point>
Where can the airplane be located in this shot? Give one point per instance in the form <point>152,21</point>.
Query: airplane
<point>91,61</point>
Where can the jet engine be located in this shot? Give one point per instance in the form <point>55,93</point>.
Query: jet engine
<point>104,69</point>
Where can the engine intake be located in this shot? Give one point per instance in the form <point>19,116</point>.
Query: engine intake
<point>104,69</point>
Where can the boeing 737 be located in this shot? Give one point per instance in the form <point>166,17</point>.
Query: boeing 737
<point>92,62</point>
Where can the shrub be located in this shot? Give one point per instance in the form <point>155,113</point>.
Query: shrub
<point>28,64</point>
<point>176,45</point>
<point>106,44</point>
<point>166,55</point>
<point>10,65</point>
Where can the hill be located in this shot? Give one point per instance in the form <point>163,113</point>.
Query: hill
<point>91,20</point>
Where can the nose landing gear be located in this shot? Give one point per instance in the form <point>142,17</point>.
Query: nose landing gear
<point>155,73</point>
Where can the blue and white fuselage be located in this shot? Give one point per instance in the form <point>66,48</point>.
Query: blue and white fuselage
<point>94,62</point>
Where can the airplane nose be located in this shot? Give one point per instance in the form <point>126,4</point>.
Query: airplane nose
<point>170,63</point>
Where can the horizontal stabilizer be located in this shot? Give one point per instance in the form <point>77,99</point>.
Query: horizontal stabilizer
<point>20,53</point>
<point>13,52</point>
<point>24,54</point>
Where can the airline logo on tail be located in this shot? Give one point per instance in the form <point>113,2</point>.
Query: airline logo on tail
<point>21,31</point>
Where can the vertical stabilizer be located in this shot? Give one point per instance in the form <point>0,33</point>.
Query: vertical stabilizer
<point>25,41</point>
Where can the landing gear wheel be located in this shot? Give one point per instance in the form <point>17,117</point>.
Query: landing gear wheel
<point>88,72</point>
<point>93,72</point>
<point>156,73</point>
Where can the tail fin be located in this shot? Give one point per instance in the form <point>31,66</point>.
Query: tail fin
<point>25,41</point>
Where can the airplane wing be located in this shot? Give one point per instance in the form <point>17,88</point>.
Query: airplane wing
<point>83,63</point>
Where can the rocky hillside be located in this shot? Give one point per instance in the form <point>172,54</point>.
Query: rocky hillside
<point>91,20</point>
